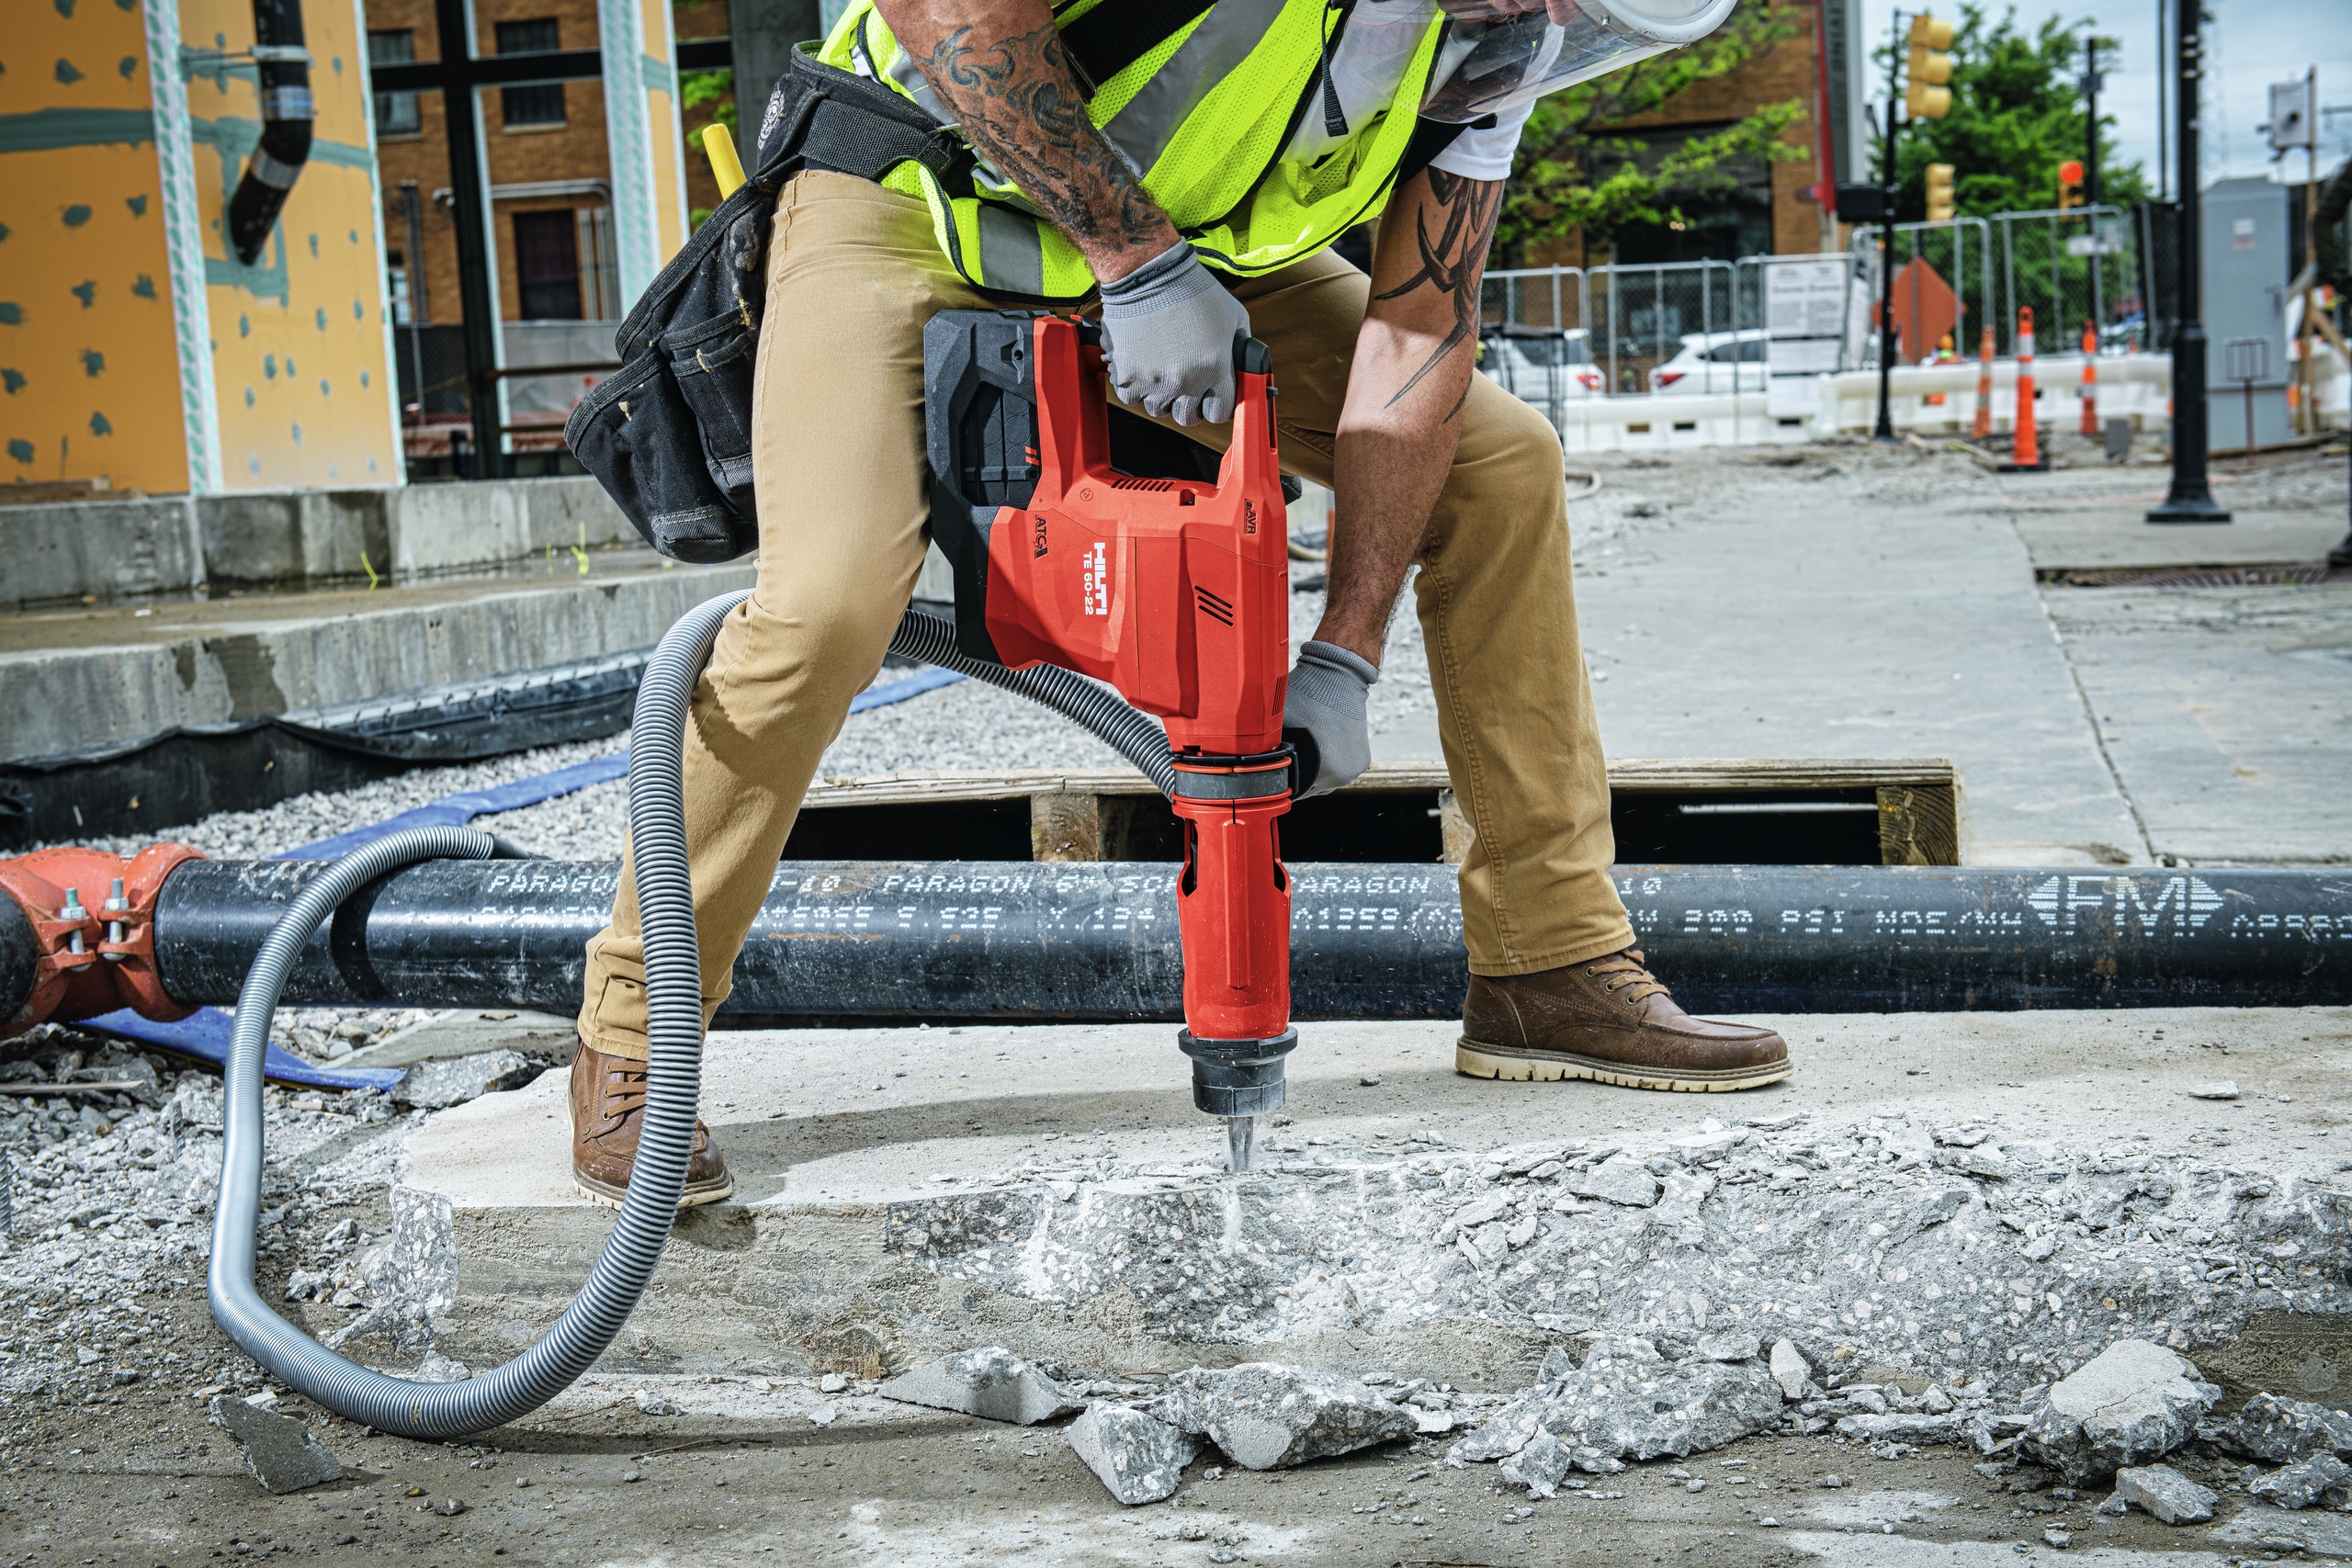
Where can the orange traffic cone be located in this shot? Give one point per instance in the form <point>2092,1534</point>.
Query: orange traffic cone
<point>2090,379</point>
<point>1983,425</point>
<point>2025,444</point>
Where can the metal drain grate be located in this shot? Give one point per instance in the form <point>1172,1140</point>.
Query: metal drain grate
<point>2266,574</point>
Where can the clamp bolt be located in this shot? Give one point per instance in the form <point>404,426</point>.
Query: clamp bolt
<point>115,901</point>
<point>74,912</point>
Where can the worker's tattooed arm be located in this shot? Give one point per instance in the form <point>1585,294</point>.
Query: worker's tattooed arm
<point>1411,376</point>
<point>1000,67</point>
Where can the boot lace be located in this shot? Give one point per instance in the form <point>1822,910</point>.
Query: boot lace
<point>1623,972</point>
<point>622,1098</point>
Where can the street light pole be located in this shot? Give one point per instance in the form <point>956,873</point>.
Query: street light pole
<point>1886,431</point>
<point>2192,498</point>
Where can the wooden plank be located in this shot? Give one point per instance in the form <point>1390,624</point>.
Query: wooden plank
<point>1918,825</point>
<point>1731,776</point>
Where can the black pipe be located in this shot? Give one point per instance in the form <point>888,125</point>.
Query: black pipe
<point>1019,940</point>
<point>286,114</point>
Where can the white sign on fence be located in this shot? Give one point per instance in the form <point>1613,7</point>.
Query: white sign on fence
<point>1804,319</point>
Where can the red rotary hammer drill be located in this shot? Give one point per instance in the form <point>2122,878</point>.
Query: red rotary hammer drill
<point>1069,548</point>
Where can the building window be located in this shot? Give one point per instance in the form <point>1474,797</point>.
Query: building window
<point>547,263</point>
<point>395,112</point>
<point>542,102</point>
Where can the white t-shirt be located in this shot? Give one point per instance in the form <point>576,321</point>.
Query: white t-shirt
<point>1373,57</point>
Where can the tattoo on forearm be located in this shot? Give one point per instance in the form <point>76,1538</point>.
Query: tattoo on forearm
<point>1020,104</point>
<point>1451,261</point>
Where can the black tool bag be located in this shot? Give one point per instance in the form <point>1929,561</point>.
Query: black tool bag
<point>668,435</point>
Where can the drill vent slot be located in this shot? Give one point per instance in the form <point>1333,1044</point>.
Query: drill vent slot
<point>1212,607</point>
<point>1129,481</point>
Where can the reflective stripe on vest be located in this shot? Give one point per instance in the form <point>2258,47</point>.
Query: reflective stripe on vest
<point>1203,112</point>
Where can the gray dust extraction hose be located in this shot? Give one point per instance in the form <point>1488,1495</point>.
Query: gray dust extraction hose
<point>673,1028</point>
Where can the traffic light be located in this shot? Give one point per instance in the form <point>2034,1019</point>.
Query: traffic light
<point>1940,201</point>
<point>1924,97</point>
<point>2070,185</point>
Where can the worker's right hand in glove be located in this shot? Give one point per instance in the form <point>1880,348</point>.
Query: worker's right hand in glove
<point>1323,716</point>
<point>1169,331</point>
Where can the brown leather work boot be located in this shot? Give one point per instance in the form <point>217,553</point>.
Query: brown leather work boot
<point>1608,1020</point>
<point>607,1104</point>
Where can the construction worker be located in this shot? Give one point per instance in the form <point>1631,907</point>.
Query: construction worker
<point>1182,170</point>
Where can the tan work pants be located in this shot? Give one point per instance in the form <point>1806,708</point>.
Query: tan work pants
<point>854,272</point>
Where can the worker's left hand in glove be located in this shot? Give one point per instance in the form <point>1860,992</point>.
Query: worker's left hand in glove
<point>1169,331</point>
<point>1323,716</point>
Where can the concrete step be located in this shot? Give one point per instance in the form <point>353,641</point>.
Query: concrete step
<point>907,1193</point>
<point>141,548</point>
<point>109,675</point>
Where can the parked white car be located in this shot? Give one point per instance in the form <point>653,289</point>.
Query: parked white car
<point>1538,363</point>
<point>1715,362</point>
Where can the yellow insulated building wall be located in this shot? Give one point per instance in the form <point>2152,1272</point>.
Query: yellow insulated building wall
<point>133,344</point>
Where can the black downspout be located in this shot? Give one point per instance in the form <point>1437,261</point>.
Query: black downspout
<point>461,117</point>
<point>285,115</point>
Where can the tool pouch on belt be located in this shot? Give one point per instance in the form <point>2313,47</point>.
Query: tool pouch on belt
<point>668,435</point>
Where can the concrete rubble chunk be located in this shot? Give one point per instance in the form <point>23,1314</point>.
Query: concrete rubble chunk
<point>436,1085</point>
<point>2278,1431</point>
<point>1139,1459</point>
<point>2163,1493</point>
<point>2222,1089</point>
<point>1788,1369</point>
<point>2133,1403</point>
<point>279,1450</point>
<point>1266,1417</point>
<point>991,1383</point>
<point>1624,1404</point>
<point>1620,1178</point>
<point>2305,1482</point>
<point>1730,1345</point>
<point>1540,1467</point>
<point>1558,1362</point>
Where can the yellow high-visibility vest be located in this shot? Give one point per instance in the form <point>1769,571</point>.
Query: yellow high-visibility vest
<point>1201,97</point>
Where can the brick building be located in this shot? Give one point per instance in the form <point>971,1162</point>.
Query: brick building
<point>551,210</point>
<point>1771,208</point>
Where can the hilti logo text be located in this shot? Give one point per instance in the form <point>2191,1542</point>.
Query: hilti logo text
<point>1094,576</point>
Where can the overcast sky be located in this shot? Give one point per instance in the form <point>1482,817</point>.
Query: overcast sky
<point>2251,43</point>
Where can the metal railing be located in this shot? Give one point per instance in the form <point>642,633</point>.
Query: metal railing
<point>1557,334</point>
<point>2070,266</point>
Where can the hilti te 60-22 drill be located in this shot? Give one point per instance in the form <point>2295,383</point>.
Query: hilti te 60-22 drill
<point>1173,588</point>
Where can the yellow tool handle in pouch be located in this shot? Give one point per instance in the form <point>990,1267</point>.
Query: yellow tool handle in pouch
<point>719,148</point>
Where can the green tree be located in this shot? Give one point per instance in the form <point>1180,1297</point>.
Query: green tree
<point>2015,116</point>
<point>1577,167</point>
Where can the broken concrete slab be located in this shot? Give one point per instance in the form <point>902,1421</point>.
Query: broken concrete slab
<point>2133,1403</point>
<point>2279,1432</point>
<point>1141,1460</point>
<point>884,1228</point>
<point>1266,1417</point>
<point>279,1450</point>
<point>2163,1493</point>
<point>2305,1482</point>
<point>991,1383</point>
<point>436,1085</point>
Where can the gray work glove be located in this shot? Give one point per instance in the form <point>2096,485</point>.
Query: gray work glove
<point>1323,716</point>
<point>1169,330</point>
